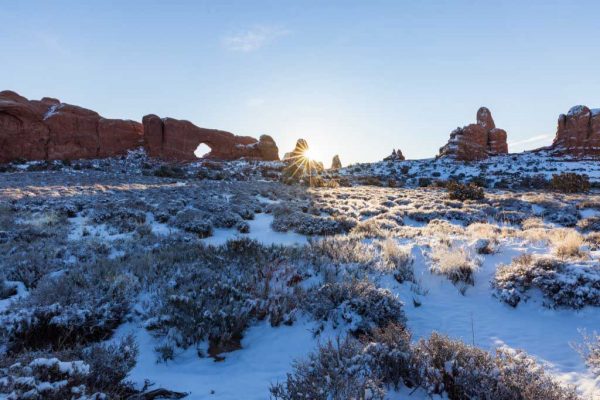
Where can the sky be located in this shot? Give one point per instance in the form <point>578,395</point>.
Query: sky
<point>354,78</point>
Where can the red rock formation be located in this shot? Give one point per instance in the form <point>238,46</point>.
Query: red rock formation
<point>395,156</point>
<point>578,133</point>
<point>176,140</point>
<point>22,131</point>
<point>336,163</point>
<point>117,135</point>
<point>476,141</point>
<point>298,164</point>
<point>299,150</point>
<point>50,130</point>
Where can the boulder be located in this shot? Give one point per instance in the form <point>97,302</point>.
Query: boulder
<point>578,133</point>
<point>476,141</point>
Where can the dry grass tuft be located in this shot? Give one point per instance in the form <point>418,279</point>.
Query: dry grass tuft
<point>454,261</point>
<point>369,229</point>
<point>567,243</point>
<point>397,260</point>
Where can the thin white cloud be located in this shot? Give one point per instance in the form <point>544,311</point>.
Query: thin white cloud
<point>253,39</point>
<point>532,139</point>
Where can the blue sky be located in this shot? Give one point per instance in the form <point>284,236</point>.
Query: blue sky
<point>356,78</point>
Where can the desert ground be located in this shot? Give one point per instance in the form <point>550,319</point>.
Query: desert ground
<point>125,279</point>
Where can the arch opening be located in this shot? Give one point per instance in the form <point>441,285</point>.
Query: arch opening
<point>202,150</point>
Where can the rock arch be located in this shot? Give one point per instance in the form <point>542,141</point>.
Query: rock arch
<point>174,139</point>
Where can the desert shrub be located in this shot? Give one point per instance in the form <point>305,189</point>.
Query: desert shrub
<point>424,182</point>
<point>455,262</point>
<point>95,372</point>
<point>194,221</point>
<point>67,311</point>
<point>590,351</point>
<point>170,171</point>
<point>483,246</point>
<point>533,182</point>
<point>397,260</point>
<point>442,228</point>
<point>200,307</point>
<point>369,228</point>
<point>126,219</point>
<point>30,260</point>
<point>567,242</point>
<point>6,289</point>
<point>390,354</point>
<point>353,369</point>
<point>487,231</point>
<point>568,182</point>
<point>337,251</point>
<point>443,365</point>
<point>110,364</point>
<point>47,378</point>
<point>462,192</point>
<point>533,223</point>
<point>370,180</point>
<point>337,370</point>
<point>479,181</point>
<point>6,216</point>
<point>447,366</point>
<point>308,224</point>
<point>589,224</point>
<point>216,296</point>
<point>561,284</point>
<point>359,304</point>
<point>593,240</point>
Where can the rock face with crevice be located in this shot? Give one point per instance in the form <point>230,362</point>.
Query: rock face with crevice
<point>48,129</point>
<point>476,141</point>
<point>176,140</point>
<point>578,133</point>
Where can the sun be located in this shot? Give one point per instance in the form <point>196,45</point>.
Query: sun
<point>308,154</point>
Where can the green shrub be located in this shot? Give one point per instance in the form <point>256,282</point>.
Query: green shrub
<point>167,171</point>
<point>569,182</point>
<point>462,192</point>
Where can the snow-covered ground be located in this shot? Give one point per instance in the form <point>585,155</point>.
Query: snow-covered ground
<point>509,168</point>
<point>260,230</point>
<point>475,317</point>
<point>69,222</point>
